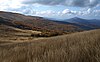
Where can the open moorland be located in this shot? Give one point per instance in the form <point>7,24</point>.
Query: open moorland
<point>76,47</point>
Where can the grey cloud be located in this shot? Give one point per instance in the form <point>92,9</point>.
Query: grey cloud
<point>77,3</point>
<point>84,3</point>
<point>45,2</point>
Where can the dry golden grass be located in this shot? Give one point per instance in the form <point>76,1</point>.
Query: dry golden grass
<point>11,34</point>
<point>77,47</point>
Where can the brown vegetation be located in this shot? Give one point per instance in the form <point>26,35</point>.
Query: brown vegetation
<point>36,23</point>
<point>47,34</point>
<point>77,47</point>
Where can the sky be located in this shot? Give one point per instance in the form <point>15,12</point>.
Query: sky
<point>56,9</point>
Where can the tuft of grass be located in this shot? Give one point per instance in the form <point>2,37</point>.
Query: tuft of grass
<point>77,47</point>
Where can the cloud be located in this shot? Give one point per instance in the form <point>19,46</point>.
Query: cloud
<point>96,12</point>
<point>77,3</point>
<point>6,4</point>
<point>41,8</point>
<point>86,12</point>
<point>66,11</point>
<point>46,2</point>
<point>47,12</point>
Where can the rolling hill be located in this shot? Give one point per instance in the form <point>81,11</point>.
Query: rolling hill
<point>77,47</point>
<point>30,39</point>
<point>46,26</point>
<point>35,23</point>
<point>85,23</point>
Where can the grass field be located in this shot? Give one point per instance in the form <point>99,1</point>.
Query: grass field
<point>11,34</point>
<point>76,47</point>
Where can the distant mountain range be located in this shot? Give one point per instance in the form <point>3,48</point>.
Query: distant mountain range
<point>92,23</point>
<point>44,24</point>
<point>35,23</point>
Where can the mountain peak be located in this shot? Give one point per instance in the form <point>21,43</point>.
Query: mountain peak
<point>76,18</point>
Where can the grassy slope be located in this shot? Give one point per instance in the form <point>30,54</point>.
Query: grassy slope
<point>36,23</point>
<point>10,34</point>
<point>78,47</point>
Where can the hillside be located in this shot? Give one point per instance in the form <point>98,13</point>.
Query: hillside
<point>35,23</point>
<point>10,34</point>
<point>77,47</point>
<point>85,23</point>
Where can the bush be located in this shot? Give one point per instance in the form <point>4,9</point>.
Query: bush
<point>46,34</point>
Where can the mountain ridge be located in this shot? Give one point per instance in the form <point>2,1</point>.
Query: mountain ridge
<point>44,24</point>
<point>85,22</point>
<point>36,23</point>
